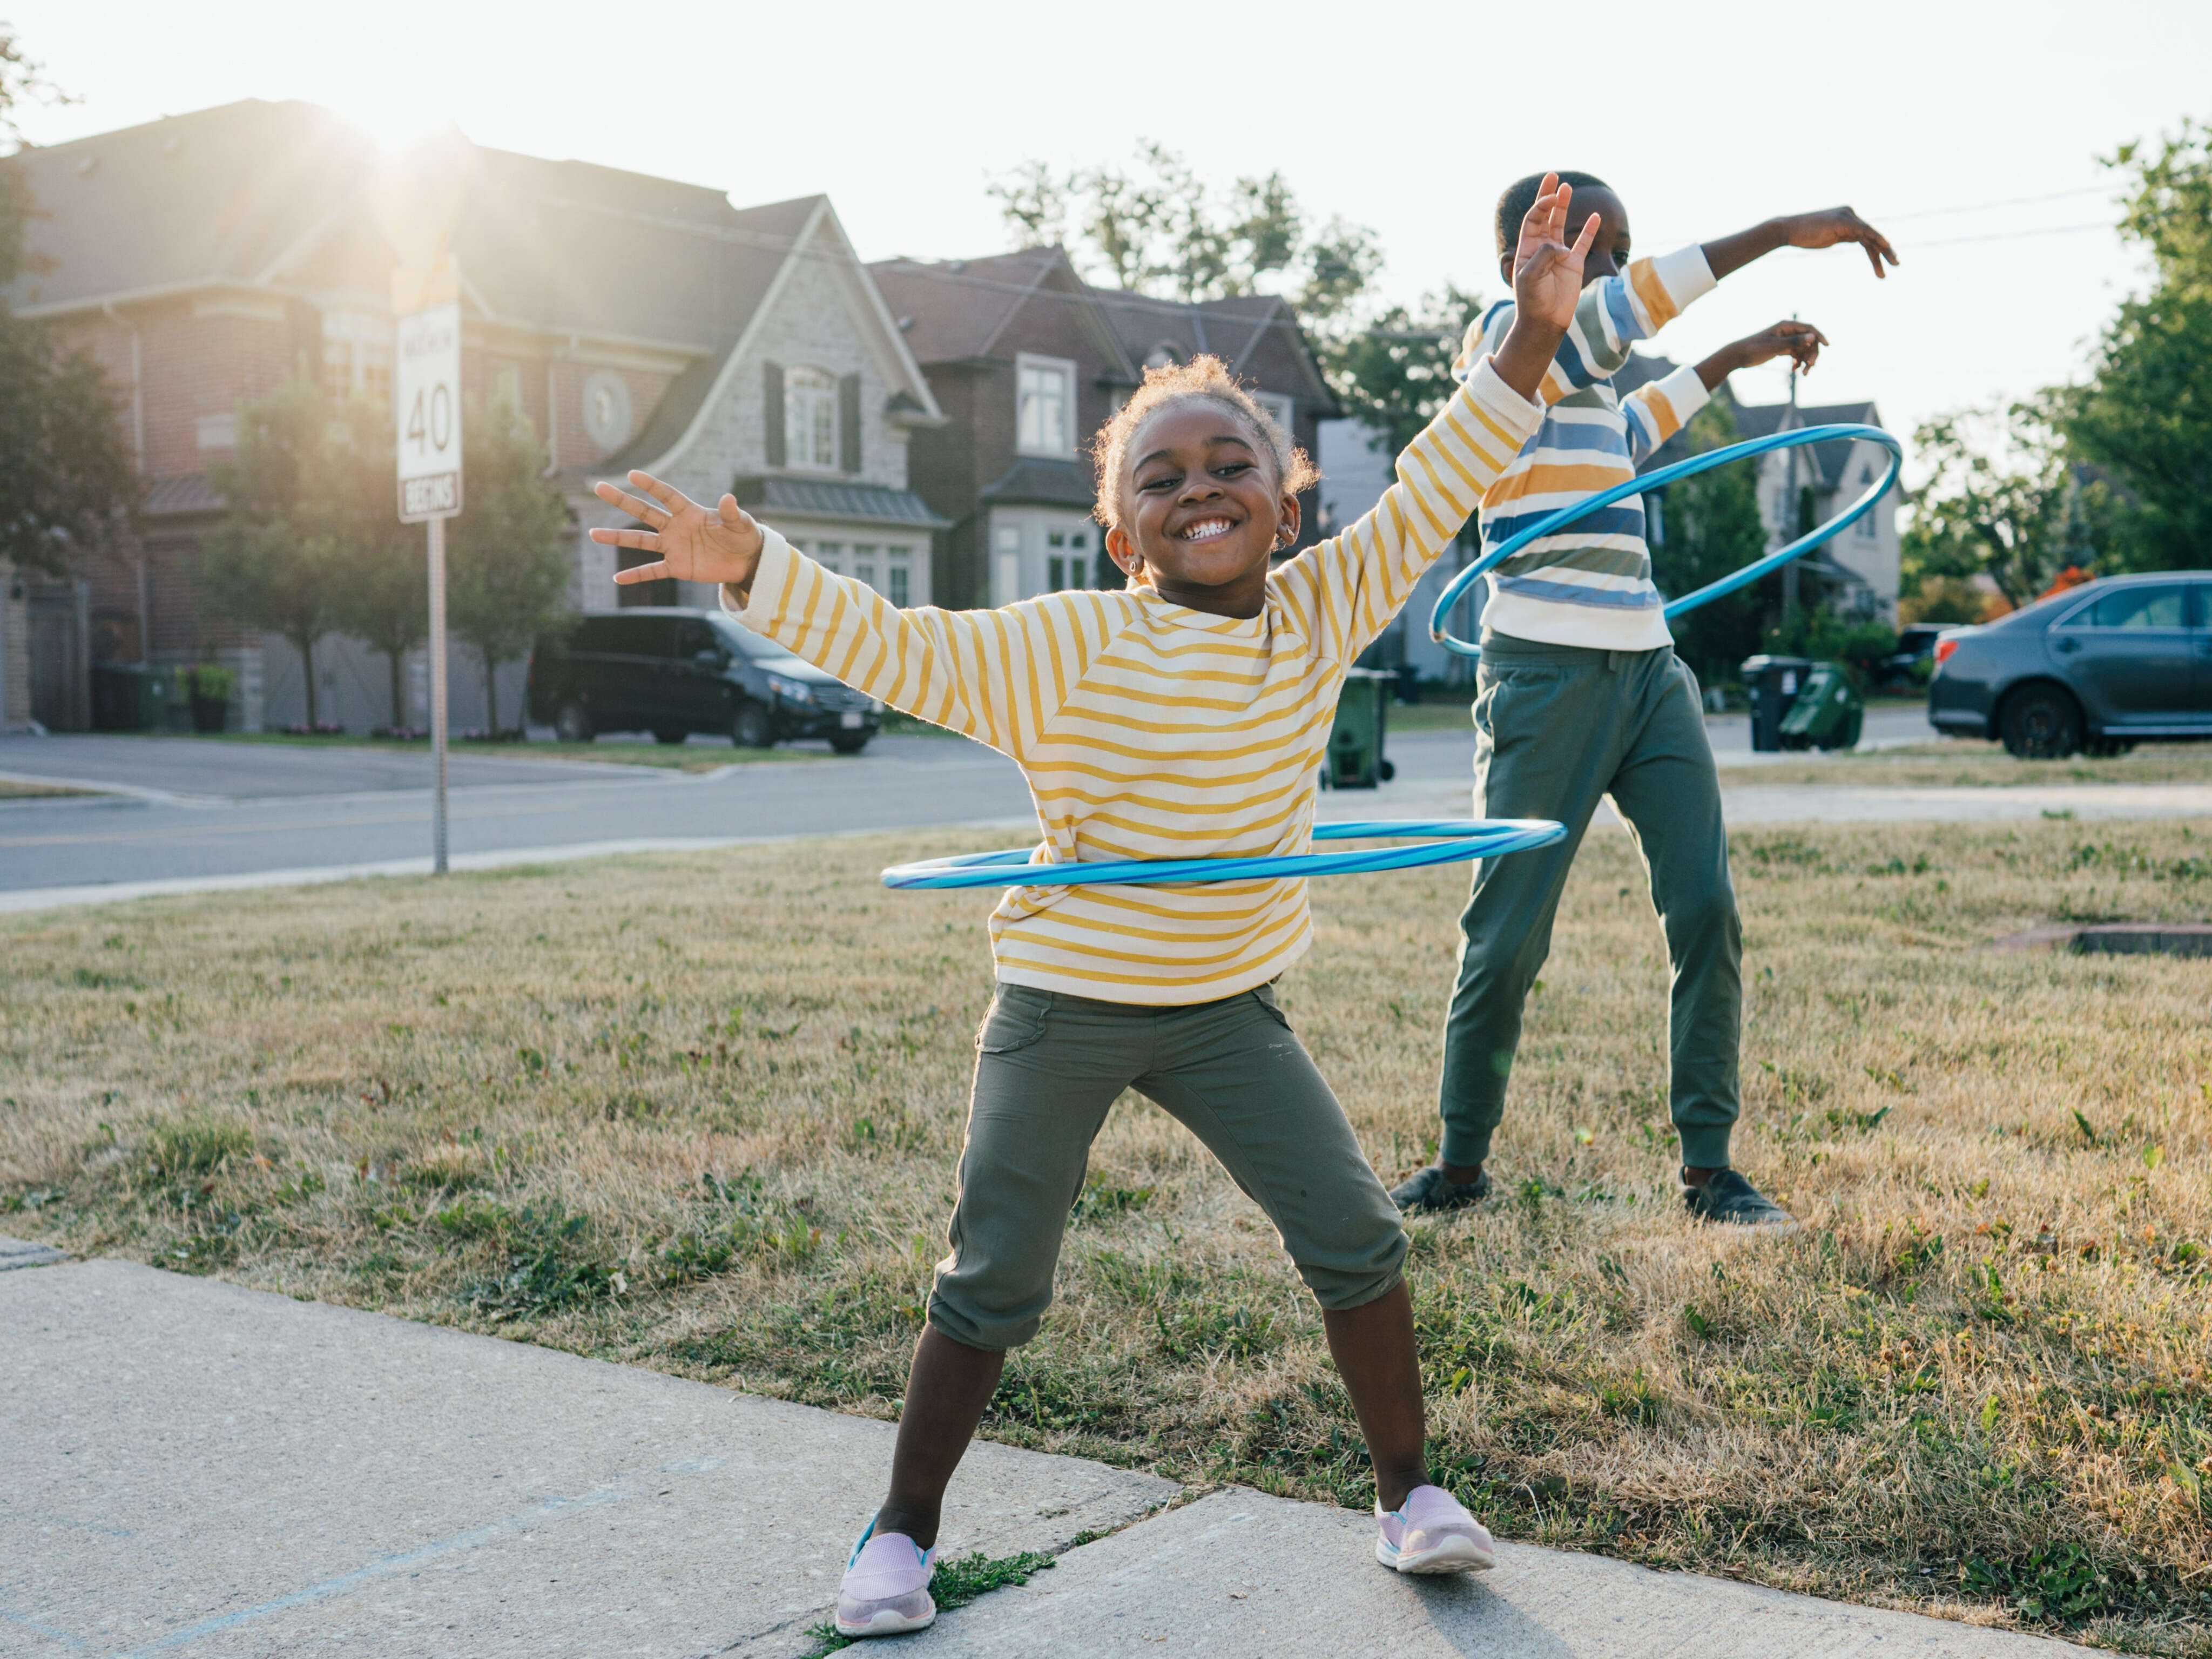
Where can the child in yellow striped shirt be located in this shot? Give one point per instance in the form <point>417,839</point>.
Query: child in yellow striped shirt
<point>1186,715</point>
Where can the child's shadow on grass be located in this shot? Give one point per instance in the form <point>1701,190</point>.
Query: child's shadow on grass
<point>1477,1622</point>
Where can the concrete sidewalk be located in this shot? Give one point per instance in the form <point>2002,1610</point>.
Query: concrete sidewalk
<point>195,1468</point>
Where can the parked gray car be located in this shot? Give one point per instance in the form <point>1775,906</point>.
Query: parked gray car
<point>2097,668</point>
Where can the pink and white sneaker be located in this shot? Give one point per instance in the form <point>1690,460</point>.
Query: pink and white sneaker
<point>886,1587</point>
<point>1432,1533</point>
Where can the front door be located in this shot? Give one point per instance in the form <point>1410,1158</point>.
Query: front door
<point>2130,656</point>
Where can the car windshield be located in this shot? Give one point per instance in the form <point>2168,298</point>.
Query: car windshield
<point>748,644</point>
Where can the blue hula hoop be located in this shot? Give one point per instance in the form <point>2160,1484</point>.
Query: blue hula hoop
<point>1448,841</point>
<point>1667,475</point>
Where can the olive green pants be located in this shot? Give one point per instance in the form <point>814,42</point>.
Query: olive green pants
<point>1558,728</point>
<point>1047,1066</point>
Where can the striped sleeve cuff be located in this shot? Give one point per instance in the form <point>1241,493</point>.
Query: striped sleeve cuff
<point>1684,274</point>
<point>1514,415</point>
<point>1686,394</point>
<point>758,606</point>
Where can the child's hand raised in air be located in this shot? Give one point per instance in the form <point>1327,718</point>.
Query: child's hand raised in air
<point>718,544</point>
<point>1798,342</point>
<point>1832,227</point>
<point>1547,283</point>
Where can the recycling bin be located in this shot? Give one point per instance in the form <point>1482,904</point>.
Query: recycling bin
<point>1356,760</point>
<point>1773,684</point>
<point>126,697</point>
<point>1828,711</point>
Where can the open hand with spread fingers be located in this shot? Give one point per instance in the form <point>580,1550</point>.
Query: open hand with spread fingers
<point>719,543</point>
<point>1547,285</point>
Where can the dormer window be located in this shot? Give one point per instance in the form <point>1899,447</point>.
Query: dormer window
<point>1045,423</point>
<point>809,419</point>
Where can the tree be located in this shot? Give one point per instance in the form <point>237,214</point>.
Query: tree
<point>296,519</point>
<point>2001,497</point>
<point>1395,373</point>
<point>1709,526</point>
<point>509,561</point>
<point>383,598</point>
<point>1158,229</point>
<point>2146,414</point>
<point>65,473</point>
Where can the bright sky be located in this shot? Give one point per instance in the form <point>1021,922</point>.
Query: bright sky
<point>1969,132</point>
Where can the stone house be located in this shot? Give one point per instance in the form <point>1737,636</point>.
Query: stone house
<point>637,321</point>
<point>1027,360</point>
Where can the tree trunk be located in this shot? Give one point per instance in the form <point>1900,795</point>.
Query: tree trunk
<point>398,706</point>
<point>491,692</point>
<point>306,647</point>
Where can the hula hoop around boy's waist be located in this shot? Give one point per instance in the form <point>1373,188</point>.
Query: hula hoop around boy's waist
<point>1448,841</point>
<point>1667,475</point>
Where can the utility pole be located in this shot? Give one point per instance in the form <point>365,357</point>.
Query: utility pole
<point>1789,510</point>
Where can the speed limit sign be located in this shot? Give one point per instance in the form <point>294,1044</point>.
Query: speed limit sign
<point>429,382</point>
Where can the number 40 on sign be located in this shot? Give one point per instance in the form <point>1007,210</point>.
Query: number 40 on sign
<point>429,384</point>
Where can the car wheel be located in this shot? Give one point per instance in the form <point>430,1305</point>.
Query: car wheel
<point>849,743</point>
<point>2041,722</point>
<point>669,739</point>
<point>751,727</point>
<point>573,724</point>
<point>1387,770</point>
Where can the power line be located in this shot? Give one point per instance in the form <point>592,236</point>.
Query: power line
<point>2016,235</point>
<point>1984,207</point>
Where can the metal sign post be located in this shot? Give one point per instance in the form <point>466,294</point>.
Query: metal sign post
<point>427,408</point>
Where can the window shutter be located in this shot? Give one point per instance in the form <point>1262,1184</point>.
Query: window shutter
<point>772,410</point>
<point>849,423</point>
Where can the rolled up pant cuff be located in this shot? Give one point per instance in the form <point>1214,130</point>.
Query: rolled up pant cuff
<point>1705,1147</point>
<point>1462,1151</point>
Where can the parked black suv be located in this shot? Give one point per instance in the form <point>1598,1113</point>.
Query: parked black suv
<point>672,672</point>
<point>2096,668</point>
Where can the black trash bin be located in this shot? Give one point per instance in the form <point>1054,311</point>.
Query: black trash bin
<point>1773,684</point>
<point>128,698</point>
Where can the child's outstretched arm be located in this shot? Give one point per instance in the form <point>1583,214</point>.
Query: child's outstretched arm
<point>1346,590</point>
<point>1827,228</point>
<point>1656,412</point>
<point>972,671</point>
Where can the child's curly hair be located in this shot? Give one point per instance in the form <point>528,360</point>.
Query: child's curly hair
<point>1203,376</point>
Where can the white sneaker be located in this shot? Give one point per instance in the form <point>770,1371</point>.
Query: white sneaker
<point>886,1587</point>
<point>1432,1532</point>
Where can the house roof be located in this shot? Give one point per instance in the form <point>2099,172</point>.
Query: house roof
<point>831,498</point>
<point>1035,480</point>
<point>246,193</point>
<point>956,310</point>
<point>1829,459</point>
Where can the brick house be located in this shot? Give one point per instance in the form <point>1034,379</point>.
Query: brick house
<point>637,321</point>
<point>1027,360</point>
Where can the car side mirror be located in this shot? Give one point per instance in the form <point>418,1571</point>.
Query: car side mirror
<point>710,657</point>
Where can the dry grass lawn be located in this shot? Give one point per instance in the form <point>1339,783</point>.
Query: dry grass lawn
<point>702,1114</point>
<point>1959,764</point>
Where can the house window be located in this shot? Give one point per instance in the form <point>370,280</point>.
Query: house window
<point>1056,568</point>
<point>864,562</point>
<point>898,574</point>
<point>1046,418</point>
<point>1866,529</point>
<point>357,355</point>
<point>607,409</point>
<point>809,419</point>
<point>1285,411</point>
<point>506,384</point>
<point>830,556</point>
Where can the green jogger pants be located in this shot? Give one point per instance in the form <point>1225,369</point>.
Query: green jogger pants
<point>1558,727</point>
<point>1048,1066</point>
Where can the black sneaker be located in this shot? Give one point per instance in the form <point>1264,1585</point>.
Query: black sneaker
<point>1428,1191</point>
<point>1729,1197</point>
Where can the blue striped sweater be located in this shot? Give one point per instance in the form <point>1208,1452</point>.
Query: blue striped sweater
<point>1590,585</point>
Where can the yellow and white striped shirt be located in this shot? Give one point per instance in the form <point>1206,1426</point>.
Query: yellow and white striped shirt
<point>1149,731</point>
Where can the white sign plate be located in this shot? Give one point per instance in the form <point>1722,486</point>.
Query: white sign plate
<point>428,411</point>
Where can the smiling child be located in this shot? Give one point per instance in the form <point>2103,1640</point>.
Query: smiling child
<point>1184,716</point>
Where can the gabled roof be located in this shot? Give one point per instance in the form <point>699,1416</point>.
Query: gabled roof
<point>1233,330</point>
<point>1829,459</point>
<point>184,202</point>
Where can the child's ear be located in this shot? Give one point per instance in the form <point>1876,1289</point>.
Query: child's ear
<point>1126,558</point>
<point>1288,518</point>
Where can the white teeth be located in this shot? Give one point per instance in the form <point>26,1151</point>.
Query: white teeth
<point>1205,527</point>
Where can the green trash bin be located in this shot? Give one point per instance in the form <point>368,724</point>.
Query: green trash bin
<point>1827,713</point>
<point>1356,760</point>
<point>126,697</point>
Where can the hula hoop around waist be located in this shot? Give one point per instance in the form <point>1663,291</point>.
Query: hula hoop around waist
<point>1667,475</point>
<point>1448,840</point>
